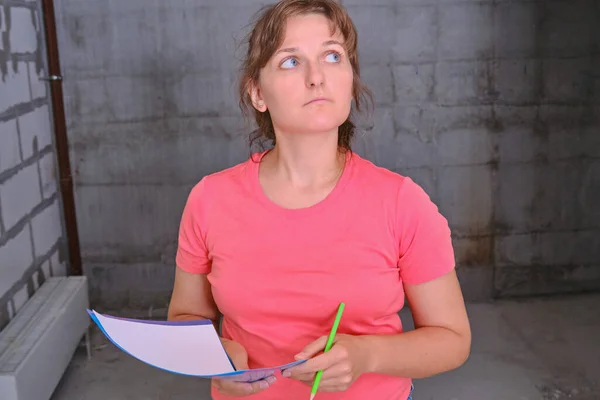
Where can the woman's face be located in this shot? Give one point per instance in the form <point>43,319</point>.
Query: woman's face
<point>307,84</point>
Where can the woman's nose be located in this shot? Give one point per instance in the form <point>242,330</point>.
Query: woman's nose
<point>315,76</point>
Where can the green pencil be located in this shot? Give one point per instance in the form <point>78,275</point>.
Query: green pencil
<point>330,339</point>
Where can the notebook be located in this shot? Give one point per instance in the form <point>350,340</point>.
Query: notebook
<point>191,348</point>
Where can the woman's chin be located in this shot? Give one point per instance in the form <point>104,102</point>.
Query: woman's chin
<point>317,125</point>
<point>313,125</point>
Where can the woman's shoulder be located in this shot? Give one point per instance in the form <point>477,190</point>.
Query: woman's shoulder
<point>222,182</point>
<point>379,179</point>
<point>371,173</point>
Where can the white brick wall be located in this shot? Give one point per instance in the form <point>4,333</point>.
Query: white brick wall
<point>58,268</point>
<point>32,125</point>
<point>15,87</point>
<point>2,28</point>
<point>22,32</point>
<point>9,145</point>
<point>19,195</point>
<point>48,175</point>
<point>24,122</point>
<point>46,229</point>
<point>38,87</point>
<point>16,257</point>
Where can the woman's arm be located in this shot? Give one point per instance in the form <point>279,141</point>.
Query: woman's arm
<point>441,340</point>
<point>192,298</point>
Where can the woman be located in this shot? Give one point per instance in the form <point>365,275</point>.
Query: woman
<point>274,244</point>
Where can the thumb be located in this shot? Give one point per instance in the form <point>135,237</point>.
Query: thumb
<point>312,349</point>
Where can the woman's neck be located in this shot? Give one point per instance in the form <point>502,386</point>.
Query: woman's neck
<point>306,161</point>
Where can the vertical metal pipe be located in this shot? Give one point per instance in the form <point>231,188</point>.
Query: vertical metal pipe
<point>61,140</point>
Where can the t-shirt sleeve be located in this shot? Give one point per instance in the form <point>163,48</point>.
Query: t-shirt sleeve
<point>426,250</point>
<point>192,253</point>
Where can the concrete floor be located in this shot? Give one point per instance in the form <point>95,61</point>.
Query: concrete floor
<point>522,350</point>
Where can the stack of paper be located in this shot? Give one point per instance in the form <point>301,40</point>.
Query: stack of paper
<point>183,347</point>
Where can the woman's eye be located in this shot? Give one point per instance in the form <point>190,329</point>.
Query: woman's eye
<point>333,57</point>
<point>289,63</point>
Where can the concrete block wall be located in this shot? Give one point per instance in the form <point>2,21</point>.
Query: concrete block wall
<point>31,237</point>
<point>491,105</point>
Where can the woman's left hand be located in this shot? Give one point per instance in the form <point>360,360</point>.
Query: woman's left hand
<point>342,364</point>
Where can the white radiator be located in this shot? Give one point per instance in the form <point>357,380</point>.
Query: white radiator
<point>38,343</point>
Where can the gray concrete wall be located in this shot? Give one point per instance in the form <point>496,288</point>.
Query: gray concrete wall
<point>491,105</point>
<point>31,235</point>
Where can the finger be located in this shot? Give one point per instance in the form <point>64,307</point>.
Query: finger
<point>239,388</point>
<point>318,363</point>
<point>335,384</point>
<point>312,349</point>
<point>337,371</point>
<point>326,388</point>
<point>234,388</point>
<point>304,377</point>
<point>263,384</point>
<point>331,374</point>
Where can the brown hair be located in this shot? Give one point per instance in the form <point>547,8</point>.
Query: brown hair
<point>266,37</point>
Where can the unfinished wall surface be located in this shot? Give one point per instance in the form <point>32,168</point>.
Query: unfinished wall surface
<point>31,235</point>
<point>492,106</point>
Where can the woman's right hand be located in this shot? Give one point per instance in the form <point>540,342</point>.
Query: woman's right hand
<point>239,356</point>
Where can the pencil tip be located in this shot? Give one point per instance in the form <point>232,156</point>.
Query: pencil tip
<point>312,397</point>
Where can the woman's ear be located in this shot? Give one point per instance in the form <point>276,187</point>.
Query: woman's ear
<point>257,100</point>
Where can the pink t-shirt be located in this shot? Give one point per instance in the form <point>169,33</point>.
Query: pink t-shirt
<point>278,274</point>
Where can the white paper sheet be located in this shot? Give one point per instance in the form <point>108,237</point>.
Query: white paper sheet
<point>184,347</point>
